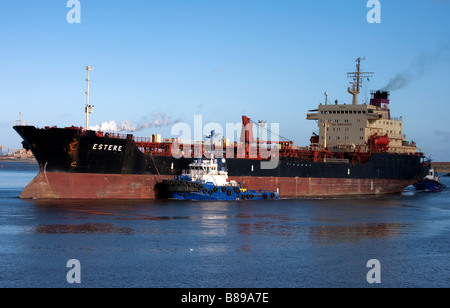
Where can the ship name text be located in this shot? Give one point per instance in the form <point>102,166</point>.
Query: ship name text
<point>107,147</point>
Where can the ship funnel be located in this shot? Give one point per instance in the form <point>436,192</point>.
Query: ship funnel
<point>380,95</point>
<point>380,99</point>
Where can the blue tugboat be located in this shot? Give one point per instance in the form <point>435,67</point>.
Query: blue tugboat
<point>207,179</point>
<point>430,182</point>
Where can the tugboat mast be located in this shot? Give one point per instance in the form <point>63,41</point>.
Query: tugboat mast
<point>88,108</point>
<point>357,80</point>
<point>211,136</point>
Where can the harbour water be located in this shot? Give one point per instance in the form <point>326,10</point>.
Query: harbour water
<point>246,244</point>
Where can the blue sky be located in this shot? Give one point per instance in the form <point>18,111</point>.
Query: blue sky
<point>270,60</point>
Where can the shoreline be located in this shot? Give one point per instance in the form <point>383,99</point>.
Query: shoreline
<point>18,160</point>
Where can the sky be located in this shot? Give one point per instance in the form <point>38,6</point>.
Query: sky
<point>161,62</point>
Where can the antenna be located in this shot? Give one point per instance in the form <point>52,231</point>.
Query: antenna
<point>357,80</point>
<point>211,136</point>
<point>88,108</point>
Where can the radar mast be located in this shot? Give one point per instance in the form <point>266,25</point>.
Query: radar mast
<point>357,80</point>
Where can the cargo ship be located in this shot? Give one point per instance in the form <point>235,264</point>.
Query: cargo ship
<point>360,149</point>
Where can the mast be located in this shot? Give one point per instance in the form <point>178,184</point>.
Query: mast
<point>88,108</point>
<point>357,80</point>
<point>211,136</point>
<point>262,124</point>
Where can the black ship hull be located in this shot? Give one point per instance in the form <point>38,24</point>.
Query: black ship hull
<point>75,163</point>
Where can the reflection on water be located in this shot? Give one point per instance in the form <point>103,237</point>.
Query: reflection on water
<point>133,210</point>
<point>317,221</point>
<point>324,234</point>
<point>339,234</point>
<point>83,229</point>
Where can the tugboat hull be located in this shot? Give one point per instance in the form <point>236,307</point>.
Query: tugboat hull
<point>429,186</point>
<point>192,190</point>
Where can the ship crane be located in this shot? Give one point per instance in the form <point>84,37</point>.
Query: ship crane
<point>262,126</point>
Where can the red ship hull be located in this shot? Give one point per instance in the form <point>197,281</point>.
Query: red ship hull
<point>80,164</point>
<point>54,185</point>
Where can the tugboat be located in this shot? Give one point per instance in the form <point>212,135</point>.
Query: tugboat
<point>207,179</point>
<point>430,182</point>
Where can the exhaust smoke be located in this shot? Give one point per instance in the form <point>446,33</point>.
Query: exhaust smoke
<point>418,68</point>
<point>154,120</point>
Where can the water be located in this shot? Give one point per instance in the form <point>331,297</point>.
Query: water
<point>247,244</point>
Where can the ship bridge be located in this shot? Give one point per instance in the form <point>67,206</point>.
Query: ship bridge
<point>352,127</point>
